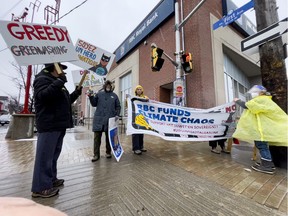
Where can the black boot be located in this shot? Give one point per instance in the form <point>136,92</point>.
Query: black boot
<point>259,164</point>
<point>266,166</point>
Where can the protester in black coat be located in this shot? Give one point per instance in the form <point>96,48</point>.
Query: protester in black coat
<point>52,103</point>
<point>53,117</point>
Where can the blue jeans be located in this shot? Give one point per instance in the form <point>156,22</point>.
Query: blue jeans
<point>263,148</point>
<point>49,146</point>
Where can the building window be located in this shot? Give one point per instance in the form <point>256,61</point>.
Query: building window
<point>236,83</point>
<point>125,88</point>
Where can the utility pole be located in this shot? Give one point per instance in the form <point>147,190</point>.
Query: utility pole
<point>22,18</point>
<point>273,69</point>
<point>179,82</point>
<point>272,62</point>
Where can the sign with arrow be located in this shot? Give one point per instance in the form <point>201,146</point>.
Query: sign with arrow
<point>271,32</point>
<point>233,15</point>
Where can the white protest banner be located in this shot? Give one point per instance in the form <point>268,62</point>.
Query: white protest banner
<point>177,123</point>
<point>93,58</point>
<point>32,43</point>
<point>91,78</point>
<point>114,139</point>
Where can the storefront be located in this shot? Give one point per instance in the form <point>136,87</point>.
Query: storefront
<point>220,70</point>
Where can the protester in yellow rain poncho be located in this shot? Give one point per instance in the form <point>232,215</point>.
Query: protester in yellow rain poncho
<point>138,139</point>
<point>262,121</point>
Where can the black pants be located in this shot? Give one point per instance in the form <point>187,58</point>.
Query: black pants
<point>221,143</point>
<point>97,142</point>
<point>137,141</point>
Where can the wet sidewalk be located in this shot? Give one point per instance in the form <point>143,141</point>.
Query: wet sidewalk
<point>178,176</point>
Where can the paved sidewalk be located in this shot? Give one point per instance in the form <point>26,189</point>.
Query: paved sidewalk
<point>228,173</point>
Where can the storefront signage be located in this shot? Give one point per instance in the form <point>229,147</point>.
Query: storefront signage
<point>153,20</point>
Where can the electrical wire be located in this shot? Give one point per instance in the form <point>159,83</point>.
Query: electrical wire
<point>6,15</point>
<point>3,49</point>
<point>70,11</point>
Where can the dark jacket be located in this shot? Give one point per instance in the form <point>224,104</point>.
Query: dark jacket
<point>52,103</point>
<point>108,105</point>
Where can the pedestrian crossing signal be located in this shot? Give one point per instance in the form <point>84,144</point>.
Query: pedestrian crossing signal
<point>187,62</point>
<point>157,61</point>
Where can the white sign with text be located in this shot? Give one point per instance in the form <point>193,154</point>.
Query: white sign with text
<point>93,58</point>
<point>32,43</point>
<point>91,78</point>
<point>176,123</point>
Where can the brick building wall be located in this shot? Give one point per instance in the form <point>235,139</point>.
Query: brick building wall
<point>205,85</point>
<point>200,83</point>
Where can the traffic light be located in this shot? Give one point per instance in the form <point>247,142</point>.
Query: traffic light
<point>187,62</point>
<point>157,61</point>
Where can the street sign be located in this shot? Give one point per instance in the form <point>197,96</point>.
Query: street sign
<point>233,15</point>
<point>271,32</point>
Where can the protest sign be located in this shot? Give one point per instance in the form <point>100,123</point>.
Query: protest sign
<point>93,58</point>
<point>114,139</point>
<point>91,78</point>
<point>32,43</point>
<point>172,122</point>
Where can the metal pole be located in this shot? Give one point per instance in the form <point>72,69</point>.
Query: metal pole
<point>29,75</point>
<point>177,38</point>
<point>178,85</point>
<point>183,48</point>
<point>180,80</point>
<point>28,83</point>
<point>190,14</point>
<point>19,95</point>
<point>170,59</point>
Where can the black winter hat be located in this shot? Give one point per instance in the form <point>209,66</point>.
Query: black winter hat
<point>49,65</point>
<point>108,82</point>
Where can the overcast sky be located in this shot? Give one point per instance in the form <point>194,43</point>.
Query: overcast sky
<point>105,24</point>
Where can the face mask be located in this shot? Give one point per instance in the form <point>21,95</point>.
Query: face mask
<point>254,94</point>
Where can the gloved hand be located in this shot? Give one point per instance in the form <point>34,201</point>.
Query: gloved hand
<point>79,91</point>
<point>62,77</point>
<point>89,92</point>
<point>116,118</point>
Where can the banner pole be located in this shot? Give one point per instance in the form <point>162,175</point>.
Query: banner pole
<point>82,79</point>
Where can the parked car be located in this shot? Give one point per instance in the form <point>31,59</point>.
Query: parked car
<point>5,119</point>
